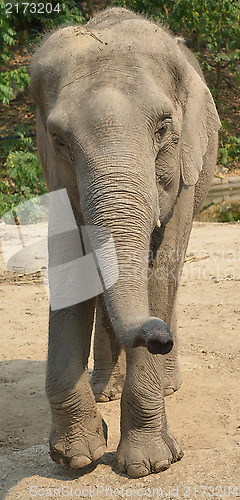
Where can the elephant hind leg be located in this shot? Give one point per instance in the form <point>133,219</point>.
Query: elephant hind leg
<point>172,376</point>
<point>109,360</point>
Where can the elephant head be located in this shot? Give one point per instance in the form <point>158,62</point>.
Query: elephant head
<point>124,122</point>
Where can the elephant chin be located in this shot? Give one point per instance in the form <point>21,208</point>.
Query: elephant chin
<point>155,335</point>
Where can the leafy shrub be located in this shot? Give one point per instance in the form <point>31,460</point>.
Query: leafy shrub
<point>7,34</point>
<point>19,76</point>
<point>229,151</point>
<point>62,12</point>
<point>213,25</point>
<point>19,20</point>
<point>22,177</point>
<point>221,212</point>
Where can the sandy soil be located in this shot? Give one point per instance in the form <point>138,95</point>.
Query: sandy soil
<point>204,413</point>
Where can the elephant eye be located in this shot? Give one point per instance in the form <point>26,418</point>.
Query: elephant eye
<point>163,129</point>
<point>61,147</point>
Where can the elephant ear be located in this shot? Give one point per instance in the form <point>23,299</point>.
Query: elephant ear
<point>200,121</point>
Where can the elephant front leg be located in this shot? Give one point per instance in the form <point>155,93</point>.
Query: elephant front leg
<point>78,434</point>
<point>146,443</point>
<point>109,360</point>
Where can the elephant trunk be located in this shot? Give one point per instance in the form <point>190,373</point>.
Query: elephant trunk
<point>129,213</point>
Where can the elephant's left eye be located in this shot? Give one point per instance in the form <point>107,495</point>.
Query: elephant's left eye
<point>163,129</point>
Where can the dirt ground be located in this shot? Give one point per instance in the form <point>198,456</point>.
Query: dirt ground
<point>204,413</point>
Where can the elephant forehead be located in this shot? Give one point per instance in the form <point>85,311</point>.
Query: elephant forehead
<point>138,34</point>
<point>107,87</point>
<point>122,52</point>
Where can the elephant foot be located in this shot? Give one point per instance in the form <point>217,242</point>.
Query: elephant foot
<point>140,455</point>
<point>107,387</point>
<point>77,446</point>
<point>172,379</point>
<point>108,378</point>
<point>172,386</point>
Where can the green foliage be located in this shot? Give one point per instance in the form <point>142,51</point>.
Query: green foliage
<point>212,25</point>
<point>22,176</point>
<point>155,8</point>
<point>45,15</point>
<point>229,151</point>
<point>9,80</point>
<point>17,78</point>
<point>17,19</point>
<point>221,212</point>
<point>7,34</point>
<point>68,14</point>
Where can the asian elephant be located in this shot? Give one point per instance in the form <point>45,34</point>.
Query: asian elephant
<point>127,125</point>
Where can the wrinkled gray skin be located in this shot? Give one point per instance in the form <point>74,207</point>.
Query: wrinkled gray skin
<point>128,126</point>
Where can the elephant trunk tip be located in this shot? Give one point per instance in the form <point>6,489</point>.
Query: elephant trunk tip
<point>156,337</point>
<point>159,344</point>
